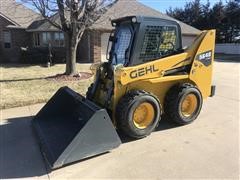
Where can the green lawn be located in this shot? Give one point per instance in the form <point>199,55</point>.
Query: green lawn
<point>22,85</point>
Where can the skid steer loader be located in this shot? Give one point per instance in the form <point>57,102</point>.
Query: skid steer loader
<point>148,74</point>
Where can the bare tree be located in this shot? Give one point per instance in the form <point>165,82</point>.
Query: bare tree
<point>75,16</point>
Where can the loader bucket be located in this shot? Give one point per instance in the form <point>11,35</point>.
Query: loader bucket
<point>71,128</point>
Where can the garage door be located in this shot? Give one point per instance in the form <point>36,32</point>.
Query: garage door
<point>104,44</point>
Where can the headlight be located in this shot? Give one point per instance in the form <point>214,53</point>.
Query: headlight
<point>134,19</point>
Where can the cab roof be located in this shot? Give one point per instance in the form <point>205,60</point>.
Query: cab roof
<point>143,19</point>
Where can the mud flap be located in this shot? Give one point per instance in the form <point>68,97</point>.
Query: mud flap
<point>71,128</point>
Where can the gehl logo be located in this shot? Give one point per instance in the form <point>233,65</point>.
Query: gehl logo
<point>143,71</point>
<point>205,58</point>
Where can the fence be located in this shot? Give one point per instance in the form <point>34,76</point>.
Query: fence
<point>228,48</point>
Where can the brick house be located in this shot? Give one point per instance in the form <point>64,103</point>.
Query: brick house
<point>14,19</point>
<point>93,45</point>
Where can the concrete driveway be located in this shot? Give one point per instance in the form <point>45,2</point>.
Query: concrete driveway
<point>207,148</point>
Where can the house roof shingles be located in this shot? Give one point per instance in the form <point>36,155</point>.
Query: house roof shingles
<point>131,8</point>
<point>121,9</point>
<point>44,25</point>
<point>17,13</point>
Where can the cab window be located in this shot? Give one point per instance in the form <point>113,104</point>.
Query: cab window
<point>159,41</point>
<point>121,46</point>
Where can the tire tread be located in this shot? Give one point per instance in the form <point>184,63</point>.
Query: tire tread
<point>173,95</point>
<point>122,110</point>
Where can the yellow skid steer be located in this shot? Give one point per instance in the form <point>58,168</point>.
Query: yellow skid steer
<point>148,74</point>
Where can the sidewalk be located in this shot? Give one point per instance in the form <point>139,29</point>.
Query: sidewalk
<point>20,154</point>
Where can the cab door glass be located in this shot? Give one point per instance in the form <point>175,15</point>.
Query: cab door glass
<point>122,44</point>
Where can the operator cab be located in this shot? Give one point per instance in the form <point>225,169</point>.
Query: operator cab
<point>139,39</point>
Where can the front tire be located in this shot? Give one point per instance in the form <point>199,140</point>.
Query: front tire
<point>138,114</point>
<point>89,92</point>
<point>183,103</point>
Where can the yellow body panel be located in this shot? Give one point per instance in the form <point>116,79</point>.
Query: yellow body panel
<point>150,70</point>
<point>201,74</point>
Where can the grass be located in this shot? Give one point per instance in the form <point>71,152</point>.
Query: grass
<point>22,85</point>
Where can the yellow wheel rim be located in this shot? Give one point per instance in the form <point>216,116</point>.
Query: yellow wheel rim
<point>189,105</point>
<point>143,115</point>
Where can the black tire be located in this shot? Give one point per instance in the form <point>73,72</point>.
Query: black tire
<point>125,111</point>
<point>88,93</point>
<point>174,100</point>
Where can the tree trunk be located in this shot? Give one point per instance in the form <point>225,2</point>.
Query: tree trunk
<point>71,51</point>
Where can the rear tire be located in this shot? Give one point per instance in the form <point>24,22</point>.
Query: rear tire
<point>183,103</point>
<point>138,114</point>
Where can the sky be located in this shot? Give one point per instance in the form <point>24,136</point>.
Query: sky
<point>163,5</point>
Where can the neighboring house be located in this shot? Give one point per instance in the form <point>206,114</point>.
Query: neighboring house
<point>93,45</point>
<point>14,19</point>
